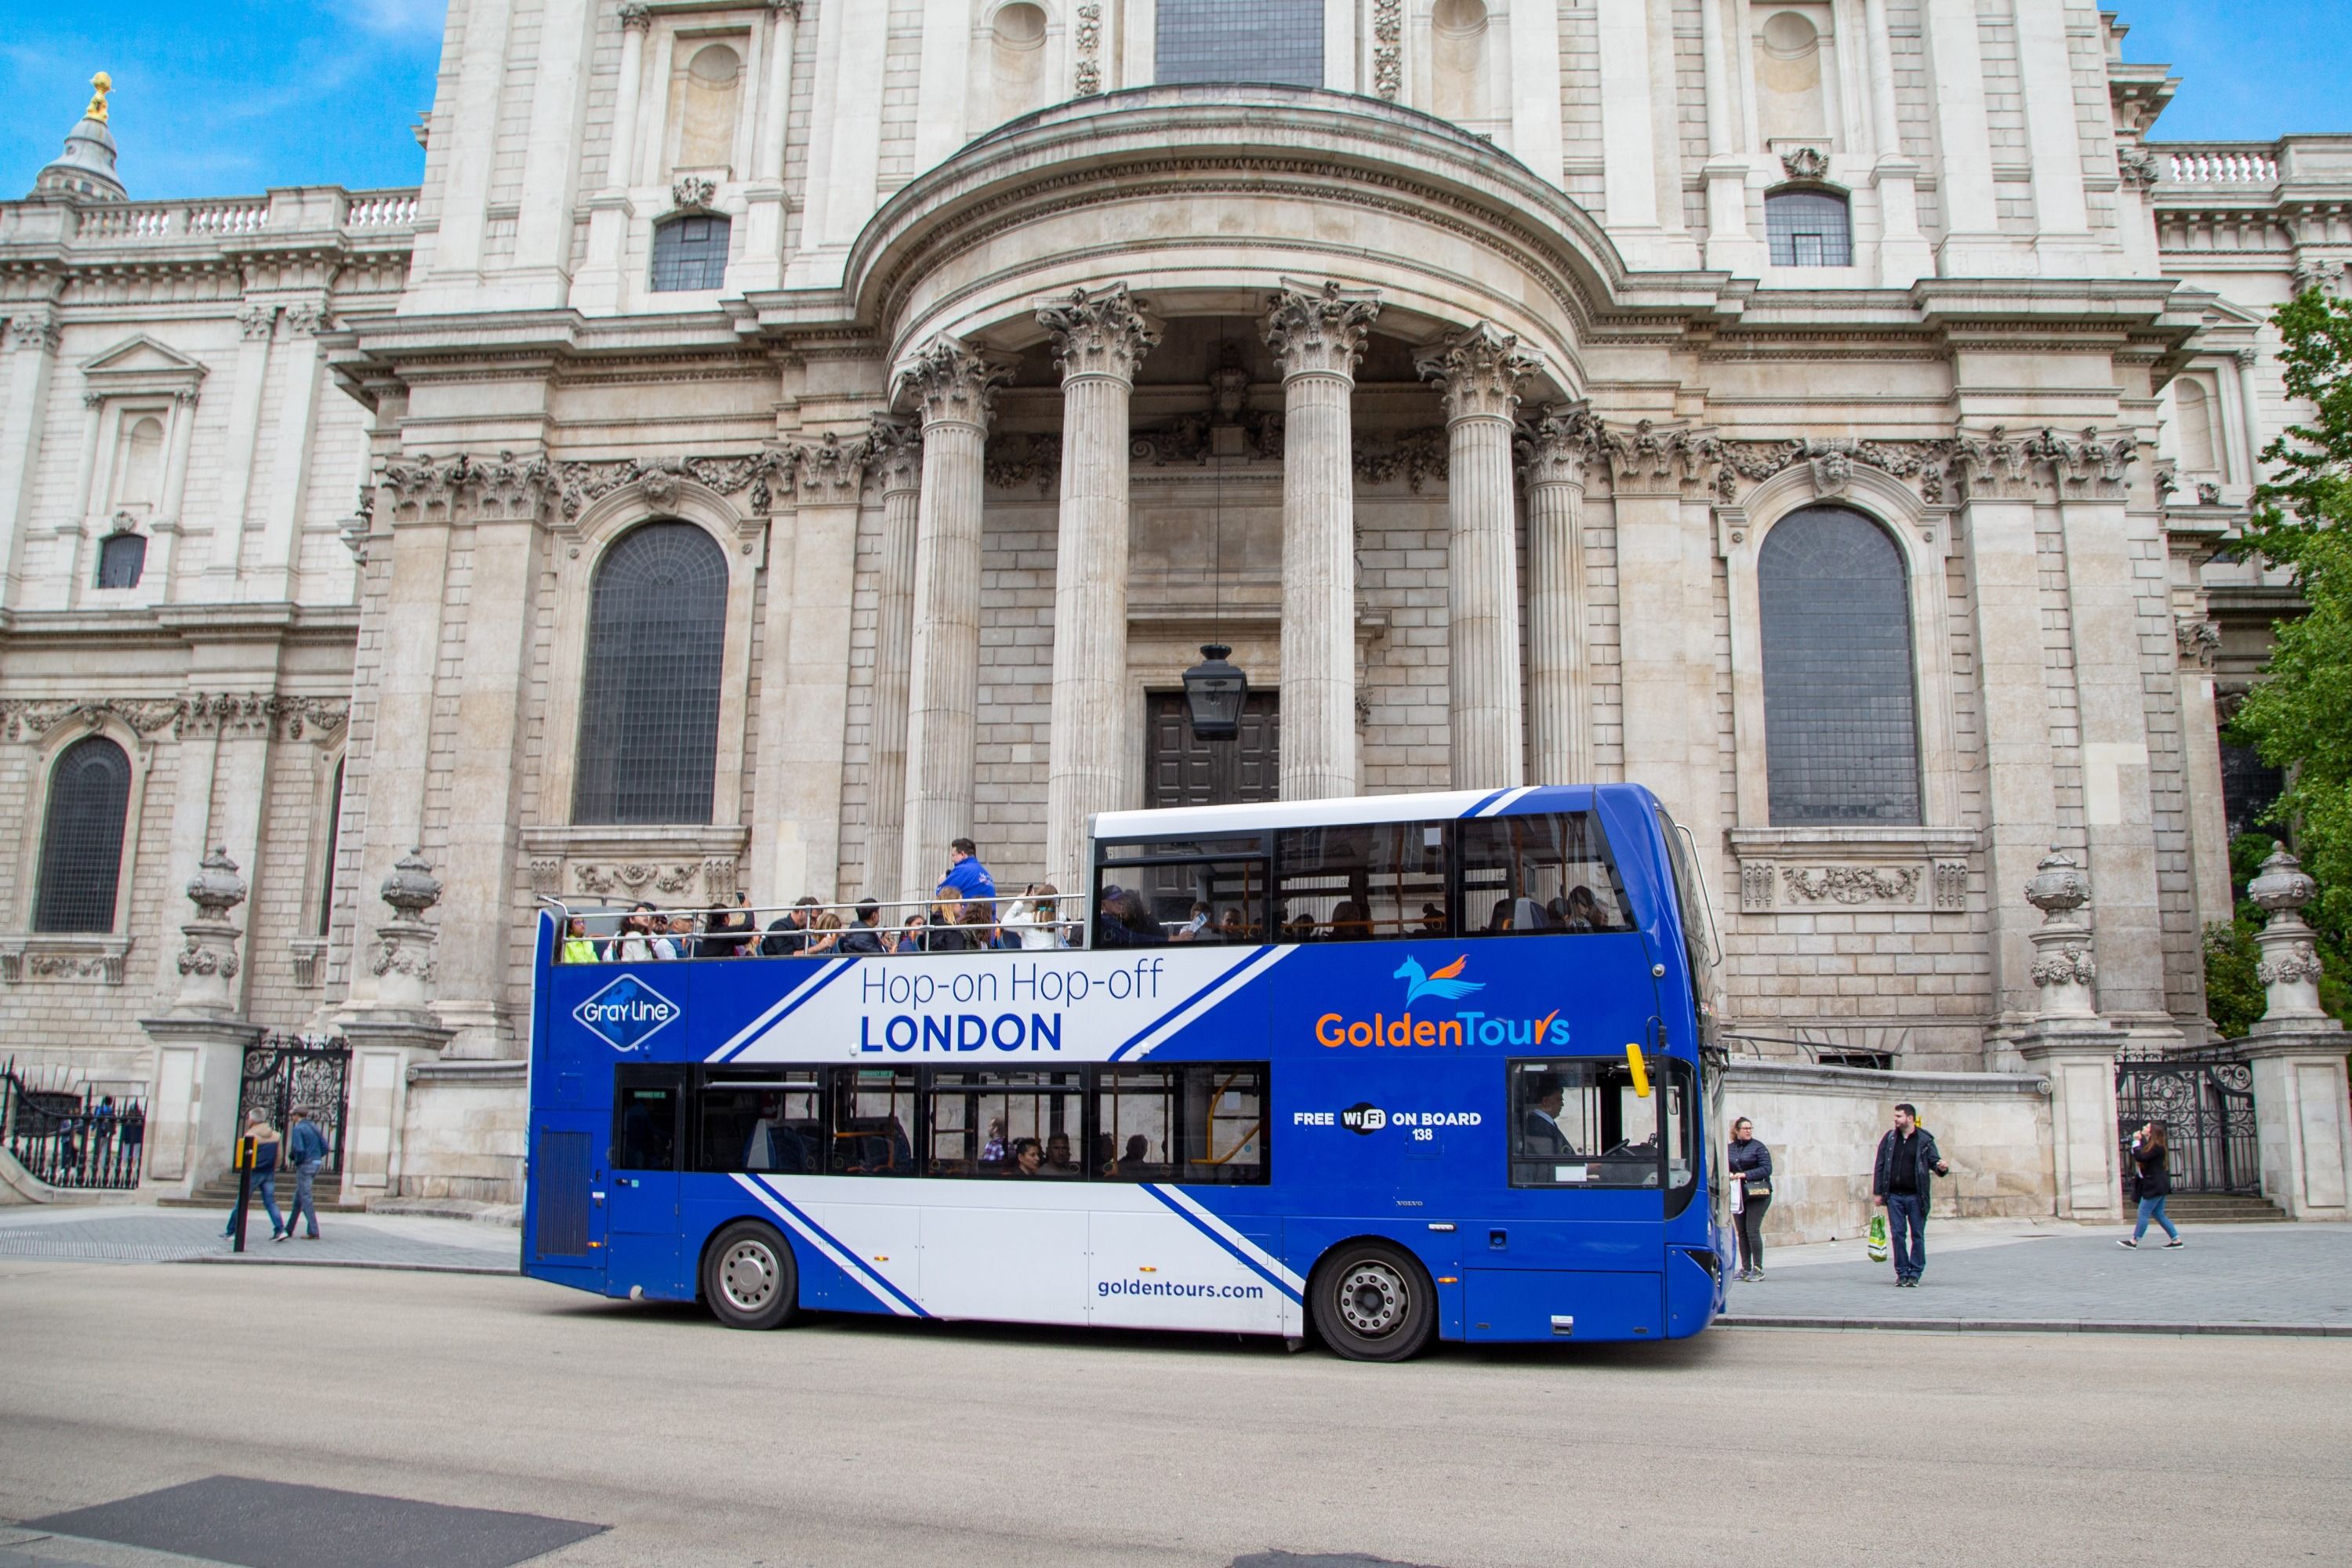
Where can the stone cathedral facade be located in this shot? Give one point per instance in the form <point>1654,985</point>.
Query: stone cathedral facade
<point>780,438</point>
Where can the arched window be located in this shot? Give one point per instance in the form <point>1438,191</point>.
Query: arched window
<point>81,838</point>
<point>1240,40</point>
<point>690,252</point>
<point>121,557</point>
<point>334,844</point>
<point>1841,713</point>
<point>1807,227</point>
<point>650,698</point>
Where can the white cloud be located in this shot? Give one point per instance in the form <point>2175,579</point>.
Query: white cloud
<point>396,18</point>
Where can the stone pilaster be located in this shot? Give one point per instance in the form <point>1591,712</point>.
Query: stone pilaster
<point>954,388</point>
<point>395,1031</point>
<point>898,455</point>
<point>1480,370</point>
<point>2296,1054</point>
<point>1099,337</point>
<point>1318,336</point>
<point>32,357</point>
<point>1556,445</point>
<point>200,1043</point>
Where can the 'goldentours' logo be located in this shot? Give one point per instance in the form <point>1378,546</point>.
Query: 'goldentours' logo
<point>1447,983</point>
<point>626,1013</point>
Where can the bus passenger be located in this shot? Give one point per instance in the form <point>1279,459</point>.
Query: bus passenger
<point>1032,920</point>
<point>1539,1131</point>
<point>662,944</point>
<point>864,937</point>
<point>1138,1152</point>
<point>634,945</point>
<point>824,936</point>
<point>789,932</point>
<point>947,934</point>
<point>1057,1153</point>
<point>1349,923</point>
<point>731,932</point>
<point>1433,920</point>
<point>1026,1158</point>
<point>1231,928</point>
<point>1585,910</point>
<point>577,948</point>
<point>992,1151</point>
<point>1104,1156</point>
<point>1302,929</point>
<point>914,936</point>
<point>1500,921</point>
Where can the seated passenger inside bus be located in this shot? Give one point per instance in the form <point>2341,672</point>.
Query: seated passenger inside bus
<point>1027,1158</point>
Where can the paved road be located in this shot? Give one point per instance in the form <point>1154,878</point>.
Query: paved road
<point>2243,1274</point>
<point>851,1441</point>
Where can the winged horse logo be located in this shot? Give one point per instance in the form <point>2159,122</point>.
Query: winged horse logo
<point>1446,983</point>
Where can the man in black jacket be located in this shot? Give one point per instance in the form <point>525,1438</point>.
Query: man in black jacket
<point>790,932</point>
<point>1908,1159</point>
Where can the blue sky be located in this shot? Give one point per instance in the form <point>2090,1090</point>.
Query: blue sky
<point>226,96</point>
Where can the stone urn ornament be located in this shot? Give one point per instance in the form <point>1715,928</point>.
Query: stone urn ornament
<point>412,889</point>
<point>208,963</point>
<point>2064,969</point>
<point>402,960</point>
<point>2058,886</point>
<point>2289,969</point>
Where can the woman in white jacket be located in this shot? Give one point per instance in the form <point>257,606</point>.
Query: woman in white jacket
<point>1032,918</point>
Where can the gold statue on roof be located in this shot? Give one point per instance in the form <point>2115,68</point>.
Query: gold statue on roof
<point>104,84</point>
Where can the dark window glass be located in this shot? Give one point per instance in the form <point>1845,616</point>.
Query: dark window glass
<point>121,560</point>
<point>1360,881</point>
<point>1808,228</point>
<point>689,253</point>
<point>334,838</point>
<point>649,702</point>
<point>1016,1125</point>
<point>1582,1122</point>
<point>2250,786</point>
<point>1200,1124</point>
<point>1841,729</point>
<point>1180,901</point>
<point>647,1122</point>
<point>1537,875</point>
<point>81,838</point>
<point>759,1119</point>
<point>873,1109</point>
<point>1240,40</point>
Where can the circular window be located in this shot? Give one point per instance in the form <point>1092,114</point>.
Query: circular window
<point>1458,18</point>
<point>719,66</point>
<point>1789,35</point>
<point>1020,26</point>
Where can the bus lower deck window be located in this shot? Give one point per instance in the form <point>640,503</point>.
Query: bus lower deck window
<point>1582,1122</point>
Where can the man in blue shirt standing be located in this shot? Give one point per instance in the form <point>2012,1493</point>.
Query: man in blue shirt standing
<point>966,874</point>
<point>306,1146</point>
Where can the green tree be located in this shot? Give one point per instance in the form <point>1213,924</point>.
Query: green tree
<point>2300,717</point>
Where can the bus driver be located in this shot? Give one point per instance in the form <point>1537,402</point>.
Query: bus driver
<point>1539,1124</point>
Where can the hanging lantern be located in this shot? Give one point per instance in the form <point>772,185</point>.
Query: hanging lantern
<point>1214,691</point>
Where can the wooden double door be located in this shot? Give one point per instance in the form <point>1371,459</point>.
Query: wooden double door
<point>1181,769</point>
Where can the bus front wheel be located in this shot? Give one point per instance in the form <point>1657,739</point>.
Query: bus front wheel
<point>748,1277</point>
<point>1373,1302</point>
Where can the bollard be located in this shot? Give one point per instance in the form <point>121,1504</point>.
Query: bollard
<point>246,1155</point>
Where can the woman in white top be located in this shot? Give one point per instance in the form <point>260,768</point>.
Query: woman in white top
<point>1032,918</point>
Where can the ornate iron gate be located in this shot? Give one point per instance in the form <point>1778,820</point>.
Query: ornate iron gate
<point>283,1072</point>
<point>2206,1106</point>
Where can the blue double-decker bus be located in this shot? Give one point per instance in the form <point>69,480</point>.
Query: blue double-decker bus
<point>1382,1071</point>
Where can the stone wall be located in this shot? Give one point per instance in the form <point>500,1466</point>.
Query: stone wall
<point>464,1131</point>
<point>1823,1125</point>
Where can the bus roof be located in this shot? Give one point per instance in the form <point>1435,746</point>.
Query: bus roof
<point>1256,817</point>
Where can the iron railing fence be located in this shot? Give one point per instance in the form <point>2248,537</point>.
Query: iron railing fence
<point>72,1137</point>
<point>2205,1103</point>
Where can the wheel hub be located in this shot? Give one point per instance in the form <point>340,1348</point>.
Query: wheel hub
<point>1372,1300</point>
<point>748,1274</point>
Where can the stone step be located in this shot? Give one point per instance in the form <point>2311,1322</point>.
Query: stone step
<point>2223,1209</point>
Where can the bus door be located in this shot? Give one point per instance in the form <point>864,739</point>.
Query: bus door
<point>641,1185</point>
<point>567,1195</point>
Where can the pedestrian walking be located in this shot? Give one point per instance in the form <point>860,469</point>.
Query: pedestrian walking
<point>265,1176</point>
<point>306,1148</point>
<point>1751,1170</point>
<point>1908,1158</point>
<point>2151,1183</point>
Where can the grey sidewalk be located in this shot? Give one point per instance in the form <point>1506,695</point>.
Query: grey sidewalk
<point>142,1235</point>
<point>2250,1276</point>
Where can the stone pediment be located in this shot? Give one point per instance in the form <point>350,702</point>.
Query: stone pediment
<point>141,364</point>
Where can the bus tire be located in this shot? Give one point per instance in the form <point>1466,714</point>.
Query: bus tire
<point>749,1280</point>
<point>1373,1301</point>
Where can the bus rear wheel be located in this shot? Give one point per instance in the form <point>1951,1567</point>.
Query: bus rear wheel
<point>748,1278</point>
<point>1373,1302</point>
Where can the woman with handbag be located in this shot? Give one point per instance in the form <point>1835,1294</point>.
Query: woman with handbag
<point>2151,1184</point>
<point>1751,1169</point>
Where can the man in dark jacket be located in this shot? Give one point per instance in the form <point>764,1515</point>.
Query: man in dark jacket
<point>789,932</point>
<point>1908,1159</point>
<point>864,937</point>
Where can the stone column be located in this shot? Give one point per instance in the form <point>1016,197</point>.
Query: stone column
<point>1481,369</point>
<point>1099,340</point>
<point>1732,242</point>
<point>2250,412</point>
<point>273,573</point>
<point>897,449</point>
<point>804,680</point>
<point>259,324</point>
<point>1556,445</point>
<point>2296,1053</point>
<point>2072,1046</point>
<point>954,389</point>
<point>1318,336</point>
<point>598,286</point>
<point>763,235</point>
<point>1903,257</point>
<point>33,339</point>
<point>200,1043</point>
<point>394,1031</point>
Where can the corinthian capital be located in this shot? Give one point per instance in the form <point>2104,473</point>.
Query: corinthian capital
<point>951,384</point>
<point>1558,442</point>
<point>1319,331</point>
<point>1481,368</point>
<point>1101,333</point>
<point>896,446</point>
<point>34,329</point>
<point>636,17</point>
<point>831,469</point>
